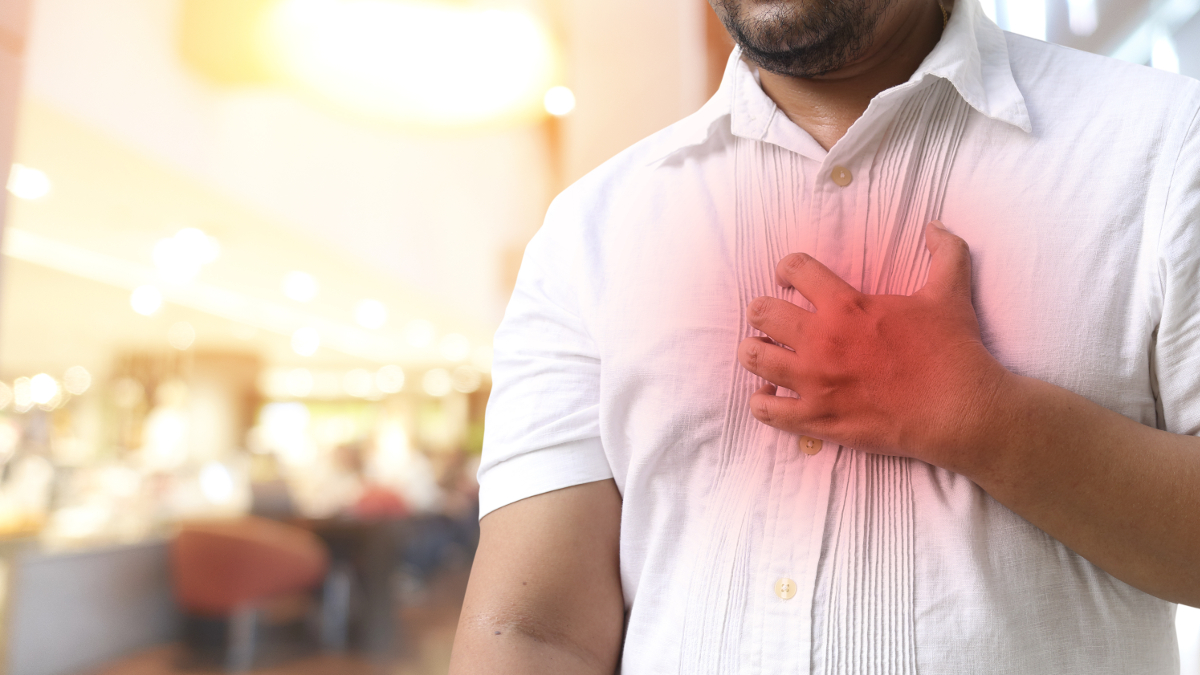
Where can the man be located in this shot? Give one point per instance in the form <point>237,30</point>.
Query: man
<point>977,461</point>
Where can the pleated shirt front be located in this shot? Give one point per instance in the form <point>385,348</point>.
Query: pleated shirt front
<point>1075,180</point>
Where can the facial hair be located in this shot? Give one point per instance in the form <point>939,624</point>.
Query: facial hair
<point>803,38</point>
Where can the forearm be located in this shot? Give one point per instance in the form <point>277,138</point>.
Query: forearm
<point>1121,494</point>
<point>510,645</point>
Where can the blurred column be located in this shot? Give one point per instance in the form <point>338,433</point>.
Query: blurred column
<point>14,20</point>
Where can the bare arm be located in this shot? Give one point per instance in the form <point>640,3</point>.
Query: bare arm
<point>545,589</point>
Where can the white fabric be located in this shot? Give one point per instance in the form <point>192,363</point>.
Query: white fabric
<point>1076,181</point>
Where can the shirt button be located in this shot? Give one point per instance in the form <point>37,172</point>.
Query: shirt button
<point>785,588</point>
<point>841,176</point>
<point>809,445</point>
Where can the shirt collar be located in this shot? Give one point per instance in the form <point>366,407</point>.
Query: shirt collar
<point>972,55</point>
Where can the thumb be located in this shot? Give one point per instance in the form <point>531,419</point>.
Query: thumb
<point>950,263</point>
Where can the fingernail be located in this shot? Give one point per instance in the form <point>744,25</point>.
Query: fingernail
<point>938,224</point>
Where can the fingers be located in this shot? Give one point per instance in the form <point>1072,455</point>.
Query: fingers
<point>771,362</point>
<point>950,263</point>
<point>781,320</point>
<point>782,412</point>
<point>815,281</point>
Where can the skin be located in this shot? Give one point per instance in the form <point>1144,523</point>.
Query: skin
<point>1123,495</point>
<point>1059,460</point>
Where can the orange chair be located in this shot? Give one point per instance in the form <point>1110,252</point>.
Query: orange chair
<point>232,568</point>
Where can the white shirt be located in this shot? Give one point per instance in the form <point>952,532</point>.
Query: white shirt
<point>1076,181</point>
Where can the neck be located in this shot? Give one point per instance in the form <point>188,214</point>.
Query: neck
<point>827,105</point>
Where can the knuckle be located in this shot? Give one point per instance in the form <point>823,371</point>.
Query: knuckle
<point>761,408</point>
<point>751,353</point>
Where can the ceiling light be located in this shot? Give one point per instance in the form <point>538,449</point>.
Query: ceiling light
<point>299,286</point>
<point>42,388</point>
<point>559,101</point>
<point>373,56</point>
<point>179,258</point>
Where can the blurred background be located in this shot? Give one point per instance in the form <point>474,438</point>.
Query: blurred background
<point>254,252</point>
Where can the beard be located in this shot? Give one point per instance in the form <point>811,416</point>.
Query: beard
<point>803,38</point>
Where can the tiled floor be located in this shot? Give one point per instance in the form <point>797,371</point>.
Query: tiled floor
<point>427,624</point>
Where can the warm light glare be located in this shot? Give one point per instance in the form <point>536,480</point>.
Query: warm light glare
<point>306,341</point>
<point>358,383</point>
<point>373,56</point>
<point>22,394</point>
<point>145,300</point>
<point>43,388</point>
<point>181,335</point>
<point>989,9</point>
<point>216,483</point>
<point>437,382</point>
<point>370,314</point>
<point>77,380</point>
<point>299,382</point>
<point>455,347</point>
<point>1163,55</point>
<point>179,258</point>
<point>419,333</point>
<point>1027,17</point>
<point>1081,17</point>
<point>299,286</point>
<point>6,395</point>
<point>28,183</point>
<point>389,379</point>
<point>559,101</point>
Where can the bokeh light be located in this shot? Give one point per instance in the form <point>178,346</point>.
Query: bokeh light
<point>370,314</point>
<point>179,258</point>
<point>559,101</point>
<point>419,333</point>
<point>77,380</point>
<point>306,341</point>
<point>299,286</point>
<point>43,388</point>
<point>181,335</point>
<point>437,382</point>
<point>28,183</point>
<point>363,54</point>
<point>390,379</point>
<point>22,395</point>
<point>145,300</point>
<point>216,483</point>
<point>6,395</point>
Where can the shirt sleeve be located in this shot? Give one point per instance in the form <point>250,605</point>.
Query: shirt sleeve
<point>542,426</point>
<point>1177,347</point>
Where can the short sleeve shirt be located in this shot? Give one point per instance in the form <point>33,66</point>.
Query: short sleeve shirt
<point>1076,181</point>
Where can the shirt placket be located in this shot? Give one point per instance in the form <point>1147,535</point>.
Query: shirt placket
<point>798,515</point>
